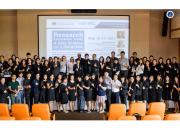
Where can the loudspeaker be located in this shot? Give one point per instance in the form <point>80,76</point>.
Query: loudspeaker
<point>165,25</point>
<point>83,11</point>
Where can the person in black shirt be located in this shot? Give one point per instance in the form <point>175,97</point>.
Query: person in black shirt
<point>46,68</point>
<point>123,90</point>
<point>175,94</point>
<point>27,86</point>
<point>3,91</point>
<point>87,65</point>
<point>72,93</point>
<point>113,57</point>
<point>152,89</point>
<point>51,93</point>
<point>3,64</point>
<point>29,67</point>
<point>139,86</point>
<point>160,67</point>
<point>35,88</point>
<point>175,69</point>
<point>22,67</point>
<point>151,58</point>
<point>147,69</point>
<point>134,55</point>
<point>95,66</point>
<point>131,90</point>
<point>159,86</point>
<point>116,68</point>
<point>38,67</point>
<point>154,69</point>
<point>145,88</point>
<point>57,91</point>
<point>78,69</point>
<point>80,94</point>
<point>167,88</point>
<point>94,83</point>
<point>88,92</point>
<point>108,66</point>
<point>101,66</point>
<point>64,94</point>
<point>55,67</point>
<point>43,88</point>
<point>80,59</point>
<point>168,68</point>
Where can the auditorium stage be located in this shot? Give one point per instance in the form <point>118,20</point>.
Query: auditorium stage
<point>80,116</point>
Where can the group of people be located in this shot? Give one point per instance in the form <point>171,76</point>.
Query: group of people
<point>91,82</point>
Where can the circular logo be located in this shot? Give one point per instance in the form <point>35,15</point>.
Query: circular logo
<point>170,14</point>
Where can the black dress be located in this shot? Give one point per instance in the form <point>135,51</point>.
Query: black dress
<point>95,67</point>
<point>145,90</point>
<point>108,68</point>
<point>72,91</point>
<point>167,91</point>
<point>161,69</point>
<point>101,69</point>
<point>78,70</point>
<point>43,91</point>
<point>175,93</point>
<point>159,87</point>
<point>152,91</point>
<point>94,84</point>
<point>86,66</point>
<point>51,91</point>
<point>63,93</point>
<point>57,90</point>
<point>139,86</point>
<point>3,93</point>
<point>87,92</point>
<point>132,90</point>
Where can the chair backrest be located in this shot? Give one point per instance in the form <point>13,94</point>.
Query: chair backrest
<point>42,111</point>
<point>139,108</point>
<point>175,116</point>
<point>7,118</point>
<point>116,111</point>
<point>20,111</point>
<point>127,118</point>
<point>4,111</point>
<point>151,117</point>
<point>157,108</point>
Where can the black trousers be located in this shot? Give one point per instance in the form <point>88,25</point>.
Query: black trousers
<point>108,101</point>
<point>36,98</point>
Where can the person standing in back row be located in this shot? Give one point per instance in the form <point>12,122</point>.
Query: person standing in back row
<point>124,63</point>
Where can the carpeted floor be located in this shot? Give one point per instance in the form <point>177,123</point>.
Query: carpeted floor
<point>79,116</point>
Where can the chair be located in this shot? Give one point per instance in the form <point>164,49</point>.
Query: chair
<point>137,108</point>
<point>42,111</point>
<point>116,111</point>
<point>127,118</point>
<point>151,117</point>
<point>156,108</point>
<point>175,116</point>
<point>7,118</point>
<point>4,111</point>
<point>20,111</point>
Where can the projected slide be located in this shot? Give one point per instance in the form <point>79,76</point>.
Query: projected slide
<point>69,35</point>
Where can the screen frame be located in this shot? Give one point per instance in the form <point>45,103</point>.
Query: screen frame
<point>81,15</point>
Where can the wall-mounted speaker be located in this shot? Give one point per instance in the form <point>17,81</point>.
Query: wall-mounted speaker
<point>165,25</point>
<point>83,11</point>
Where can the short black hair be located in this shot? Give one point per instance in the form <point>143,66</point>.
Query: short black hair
<point>122,52</point>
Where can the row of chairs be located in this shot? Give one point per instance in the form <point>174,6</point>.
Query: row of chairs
<point>156,111</point>
<point>21,112</point>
